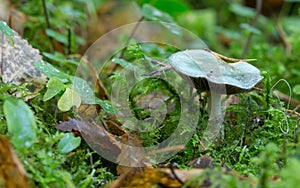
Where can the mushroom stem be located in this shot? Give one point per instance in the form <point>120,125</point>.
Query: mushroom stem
<point>215,121</point>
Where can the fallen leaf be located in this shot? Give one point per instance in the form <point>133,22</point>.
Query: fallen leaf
<point>95,135</point>
<point>16,61</point>
<point>182,174</point>
<point>160,177</point>
<point>90,113</point>
<point>12,172</point>
<point>128,152</point>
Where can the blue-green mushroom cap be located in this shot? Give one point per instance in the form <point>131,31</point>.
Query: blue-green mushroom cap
<point>210,73</point>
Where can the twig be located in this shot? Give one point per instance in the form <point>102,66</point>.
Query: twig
<point>158,63</point>
<point>69,48</point>
<point>223,58</point>
<point>165,150</point>
<point>128,40</point>
<point>175,175</point>
<point>131,35</point>
<point>102,92</point>
<point>202,145</point>
<point>46,14</point>
<point>166,68</point>
<point>48,22</point>
<point>258,10</point>
<point>286,43</point>
<point>286,98</point>
<point>293,112</point>
<point>297,107</point>
<point>103,95</point>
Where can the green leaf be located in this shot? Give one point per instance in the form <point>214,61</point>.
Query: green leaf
<point>58,36</point>
<point>250,28</point>
<point>88,97</point>
<point>68,143</point>
<point>242,10</point>
<point>107,106</point>
<point>123,63</point>
<point>83,89</point>
<point>54,86</point>
<point>63,38</point>
<point>7,31</point>
<point>20,122</point>
<point>51,71</point>
<point>151,13</point>
<point>69,99</point>
<point>59,57</point>
<point>296,89</point>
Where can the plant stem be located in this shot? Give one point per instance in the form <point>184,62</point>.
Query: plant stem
<point>48,22</point>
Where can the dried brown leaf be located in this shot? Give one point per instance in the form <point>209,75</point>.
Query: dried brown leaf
<point>95,135</point>
<point>12,172</point>
<point>162,177</point>
<point>90,113</point>
<point>16,61</point>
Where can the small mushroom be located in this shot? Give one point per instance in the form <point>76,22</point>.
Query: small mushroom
<point>208,72</point>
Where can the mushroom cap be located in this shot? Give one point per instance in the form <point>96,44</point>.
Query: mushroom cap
<point>209,73</point>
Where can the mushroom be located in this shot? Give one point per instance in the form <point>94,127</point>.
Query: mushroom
<point>209,72</point>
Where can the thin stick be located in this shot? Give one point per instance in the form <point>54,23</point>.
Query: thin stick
<point>286,98</point>
<point>163,69</point>
<point>128,40</point>
<point>175,175</point>
<point>222,57</point>
<point>165,150</point>
<point>131,35</point>
<point>158,63</point>
<point>48,22</point>
<point>69,41</point>
<point>286,43</point>
<point>46,14</point>
<point>293,112</point>
<point>102,92</point>
<point>202,145</point>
